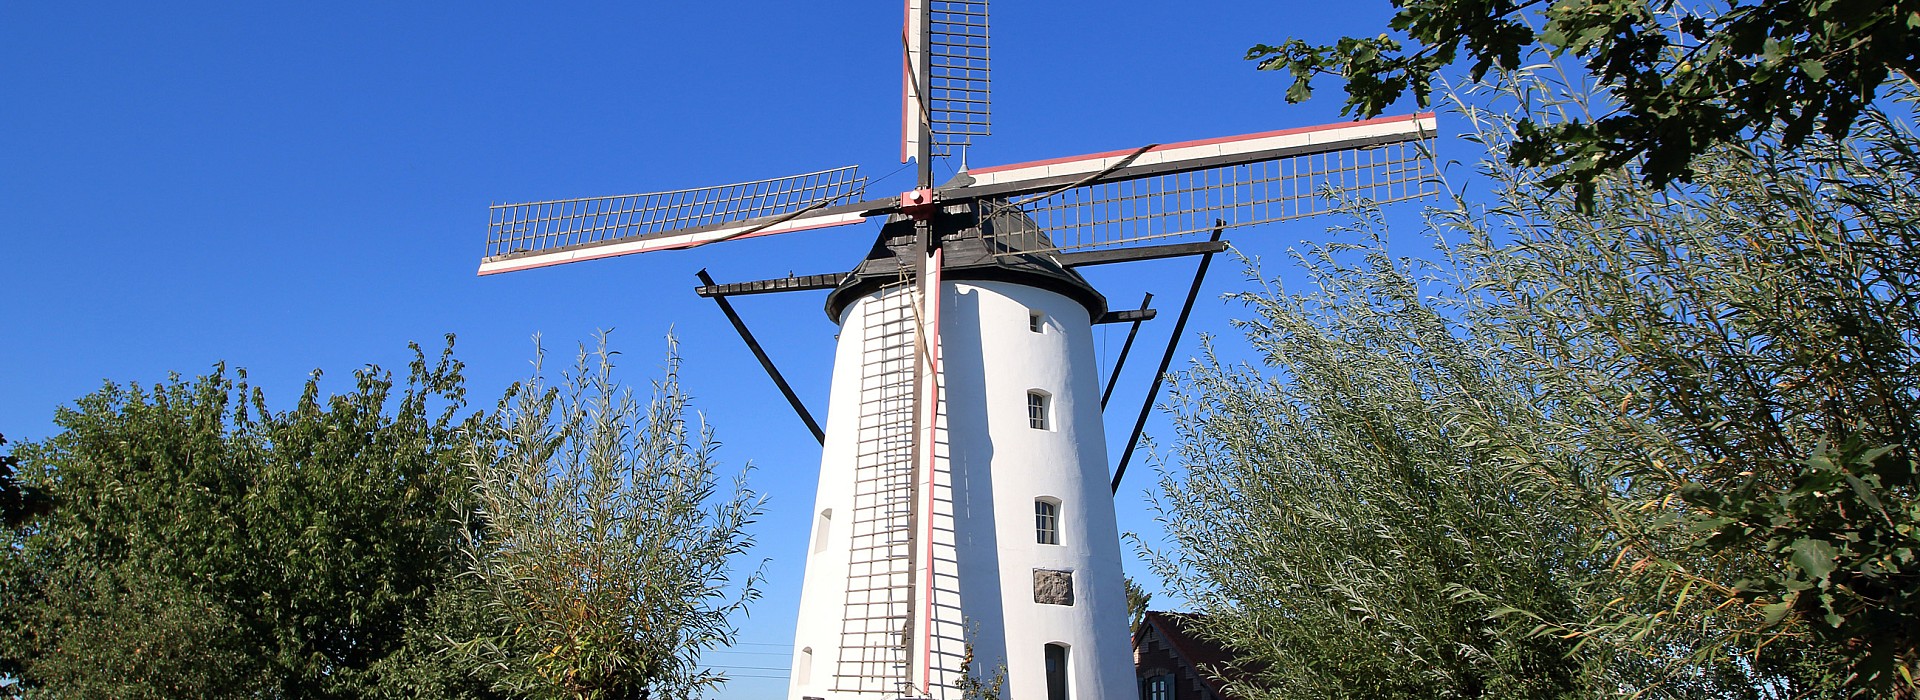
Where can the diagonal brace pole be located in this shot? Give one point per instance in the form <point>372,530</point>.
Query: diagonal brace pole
<point>1124,349</point>
<point>765,362</point>
<point>1173,343</point>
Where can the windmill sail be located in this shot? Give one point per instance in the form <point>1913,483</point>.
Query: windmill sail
<point>536,234</point>
<point>946,89</point>
<point>1120,197</point>
<point>958,64</point>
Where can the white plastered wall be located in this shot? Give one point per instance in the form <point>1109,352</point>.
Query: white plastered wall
<point>998,466</point>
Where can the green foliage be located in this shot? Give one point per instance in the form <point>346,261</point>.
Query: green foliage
<point>1684,79</point>
<point>425,665</point>
<point>18,502</point>
<point>202,545</point>
<point>1137,600</point>
<point>1340,529</point>
<point>1668,438</point>
<point>1740,358</point>
<point>133,634</point>
<point>602,546</point>
<point>972,685</point>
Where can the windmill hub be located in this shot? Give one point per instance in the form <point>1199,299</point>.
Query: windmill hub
<point>918,203</point>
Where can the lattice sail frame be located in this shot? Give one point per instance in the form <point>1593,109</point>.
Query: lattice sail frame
<point>1079,202</point>
<point>537,227</point>
<point>946,90</point>
<point>1164,191</point>
<point>1191,202</point>
<point>960,92</point>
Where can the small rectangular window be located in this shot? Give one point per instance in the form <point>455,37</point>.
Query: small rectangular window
<point>1037,322</point>
<point>1046,522</point>
<point>1037,411</point>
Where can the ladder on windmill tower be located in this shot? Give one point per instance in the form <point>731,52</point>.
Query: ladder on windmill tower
<point>882,615</point>
<point>879,591</point>
<point>901,570</point>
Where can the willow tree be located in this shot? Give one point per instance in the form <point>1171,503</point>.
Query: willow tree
<point>602,545</point>
<point>1665,444</point>
<point>1332,518</point>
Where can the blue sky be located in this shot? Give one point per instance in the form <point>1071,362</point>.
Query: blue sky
<point>295,187</point>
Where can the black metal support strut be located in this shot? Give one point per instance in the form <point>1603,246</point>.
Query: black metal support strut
<point>1125,348</point>
<point>1173,343</point>
<point>766,363</point>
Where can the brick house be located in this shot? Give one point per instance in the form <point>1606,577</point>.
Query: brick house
<point>1168,656</point>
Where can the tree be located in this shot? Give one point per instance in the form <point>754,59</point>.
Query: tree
<point>1685,80</point>
<point>1742,361</point>
<point>978,683</point>
<point>125,632</point>
<point>203,545</point>
<point>1339,530</point>
<point>426,665</point>
<point>1137,600</point>
<point>18,502</point>
<point>1707,392</point>
<point>601,543</point>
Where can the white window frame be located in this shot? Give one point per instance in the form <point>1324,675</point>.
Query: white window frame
<point>1046,520</point>
<point>1039,410</point>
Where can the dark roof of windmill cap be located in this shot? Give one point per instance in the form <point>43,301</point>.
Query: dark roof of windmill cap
<point>1004,245</point>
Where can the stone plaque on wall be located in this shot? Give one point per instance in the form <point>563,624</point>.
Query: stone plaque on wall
<point>1052,587</point>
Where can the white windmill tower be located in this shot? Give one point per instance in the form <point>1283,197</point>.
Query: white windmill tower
<point>964,497</point>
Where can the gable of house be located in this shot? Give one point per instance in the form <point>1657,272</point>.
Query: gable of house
<point>1168,657</point>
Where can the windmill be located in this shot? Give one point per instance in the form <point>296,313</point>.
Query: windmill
<point>964,502</point>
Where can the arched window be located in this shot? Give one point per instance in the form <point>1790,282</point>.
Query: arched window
<point>1038,408</point>
<point>1046,521</point>
<point>821,529</point>
<point>1056,672</point>
<point>1158,686</point>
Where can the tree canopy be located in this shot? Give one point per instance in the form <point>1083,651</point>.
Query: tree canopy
<point>1684,80</point>
<point>18,502</point>
<point>600,540</point>
<point>200,544</point>
<point>363,545</point>
<point>1662,443</point>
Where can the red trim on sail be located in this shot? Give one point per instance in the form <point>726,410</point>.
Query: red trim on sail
<point>1207,142</point>
<point>536,262</point>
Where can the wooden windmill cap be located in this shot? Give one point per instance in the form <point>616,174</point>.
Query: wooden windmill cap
<point>983,240</point>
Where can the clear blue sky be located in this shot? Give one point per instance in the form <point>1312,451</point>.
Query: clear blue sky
<point>288,187</point>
